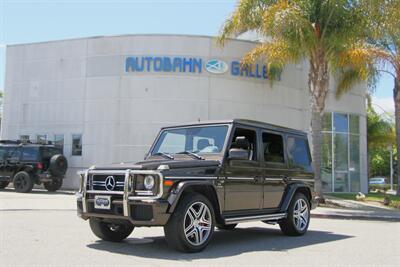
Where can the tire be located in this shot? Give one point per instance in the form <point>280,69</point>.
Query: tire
<point>228,227</point>
<point>58,165</point>
<point>54,185</point>
<point>298,219</point>
<point>196,214</point>
<point>4,184</point>
<point>23,182</point>
<point>109,231</point>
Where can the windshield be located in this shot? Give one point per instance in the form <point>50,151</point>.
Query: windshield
<point>200,140</point>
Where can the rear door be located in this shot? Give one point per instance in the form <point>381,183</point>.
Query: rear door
<point>274,166</point>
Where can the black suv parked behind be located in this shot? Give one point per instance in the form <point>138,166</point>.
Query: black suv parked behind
<point>200,176</point>
<point>27,163</point>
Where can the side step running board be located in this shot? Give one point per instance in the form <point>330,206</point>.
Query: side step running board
<point>265,217</point>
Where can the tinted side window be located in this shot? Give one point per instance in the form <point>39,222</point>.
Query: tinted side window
<point>273,148</point>
<point>298,152</point>
<point>30,153</point>
<point>14,152</point>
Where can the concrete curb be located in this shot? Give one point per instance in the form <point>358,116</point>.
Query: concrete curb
<point>355,217</point>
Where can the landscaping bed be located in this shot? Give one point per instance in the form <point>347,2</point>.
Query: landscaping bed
<point>371,197</point>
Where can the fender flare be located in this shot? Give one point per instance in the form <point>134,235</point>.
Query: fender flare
<point>289,193</point>
<point>181,187</point>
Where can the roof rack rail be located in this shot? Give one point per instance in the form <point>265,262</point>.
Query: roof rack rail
<point>14,142</point>
<point>24,142</point>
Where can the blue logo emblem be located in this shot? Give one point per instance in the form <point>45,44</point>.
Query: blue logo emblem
<point>216,66</point>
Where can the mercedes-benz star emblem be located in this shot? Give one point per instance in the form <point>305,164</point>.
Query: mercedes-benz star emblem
<point>110,183</point>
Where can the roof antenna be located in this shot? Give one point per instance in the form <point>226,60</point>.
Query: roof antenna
<point>198,119</point>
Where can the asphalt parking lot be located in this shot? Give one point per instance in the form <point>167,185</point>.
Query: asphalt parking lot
<point>42,229</point>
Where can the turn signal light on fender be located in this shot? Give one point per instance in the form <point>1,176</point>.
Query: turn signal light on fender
<point>168,183</point>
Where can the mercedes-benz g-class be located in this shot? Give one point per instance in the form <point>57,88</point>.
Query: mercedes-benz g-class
<point>199,176</point>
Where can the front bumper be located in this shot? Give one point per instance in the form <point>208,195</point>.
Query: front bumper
<point>140,211</point>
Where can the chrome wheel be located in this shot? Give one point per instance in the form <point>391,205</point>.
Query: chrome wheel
<point>301,214</point>
<point>197,223</point>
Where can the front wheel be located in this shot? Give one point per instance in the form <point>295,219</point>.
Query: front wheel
<point>110,231</point>
<point>298,217</point>
<point>23,182</point>
<point>191,226</point>
<point>53,185</point>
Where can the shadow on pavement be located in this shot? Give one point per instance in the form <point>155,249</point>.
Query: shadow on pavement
<point>38,191</point>
<point>224,243</point>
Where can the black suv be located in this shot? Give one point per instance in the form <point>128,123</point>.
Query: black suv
<point>200,176</point>
<point>27,163</point>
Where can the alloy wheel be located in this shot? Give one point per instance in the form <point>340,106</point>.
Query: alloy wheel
<point>301,214</point>
<point>197,223</point>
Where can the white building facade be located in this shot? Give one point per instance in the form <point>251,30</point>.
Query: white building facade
<point>104,99</point>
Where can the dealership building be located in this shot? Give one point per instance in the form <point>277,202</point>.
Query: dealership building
<point>104,99</point>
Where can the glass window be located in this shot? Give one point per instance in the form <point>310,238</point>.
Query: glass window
<point>326,162</point>
<point>341,182</point>
<point>354,122</point>
<point>59,141</point>
<point>30,153</point>
<point>14,152</point>
<point>327,122</point>
<point>48,152</point>
<point>76,145</point>
<point>298,153</point>
<point>41,138</point>
<point>251,137</point>
<point>202,140</point>
<point>273,148</point>
<point>341,152</point>
<point>354,163</point>
<point>24,138</point>
<point>340,122</point>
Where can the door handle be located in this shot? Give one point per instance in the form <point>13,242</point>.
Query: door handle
<point>285,179</point>
<point>258,179</point>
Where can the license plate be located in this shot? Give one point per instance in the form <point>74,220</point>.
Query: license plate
<point>102,202</point>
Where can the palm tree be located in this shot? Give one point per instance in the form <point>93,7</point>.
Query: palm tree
<point>385,36</point>
<point>329,34</point>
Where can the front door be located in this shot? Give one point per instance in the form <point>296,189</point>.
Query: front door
<point>242,178</point>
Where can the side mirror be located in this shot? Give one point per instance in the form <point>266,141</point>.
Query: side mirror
<point>238,153</point>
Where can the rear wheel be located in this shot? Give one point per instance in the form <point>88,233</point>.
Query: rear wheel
<point>4,184</point>
<point>110,231</point>
<point>191,226</point>
<point>23,182</point>
<point>53,185</point>
<point>298,218</point>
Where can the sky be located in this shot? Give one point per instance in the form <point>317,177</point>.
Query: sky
<point>26,21</point>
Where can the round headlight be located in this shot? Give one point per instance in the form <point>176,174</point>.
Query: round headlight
<point>149,182</point>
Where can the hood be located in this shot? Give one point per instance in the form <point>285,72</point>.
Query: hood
<point>154,164</point>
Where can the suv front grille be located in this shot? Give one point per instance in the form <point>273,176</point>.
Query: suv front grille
<point>106,182</point>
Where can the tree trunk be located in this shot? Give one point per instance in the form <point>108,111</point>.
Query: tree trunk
<point>318,83</point>
<point>396,98</point>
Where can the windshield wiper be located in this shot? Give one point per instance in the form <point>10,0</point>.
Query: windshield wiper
<point>194,155</point>
<point>165,155</point>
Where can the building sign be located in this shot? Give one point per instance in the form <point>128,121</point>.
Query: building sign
<point>193,65</point>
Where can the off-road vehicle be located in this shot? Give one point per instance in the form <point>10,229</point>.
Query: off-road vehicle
<point>27,163</point>
<point>200,176</point>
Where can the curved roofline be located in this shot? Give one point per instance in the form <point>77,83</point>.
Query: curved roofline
<point>133,35</point>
